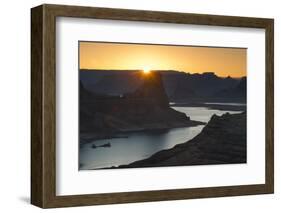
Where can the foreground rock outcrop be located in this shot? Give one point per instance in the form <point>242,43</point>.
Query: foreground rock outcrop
<point>222,141</point>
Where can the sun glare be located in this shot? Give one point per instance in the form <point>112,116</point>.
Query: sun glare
<point>146,70</point>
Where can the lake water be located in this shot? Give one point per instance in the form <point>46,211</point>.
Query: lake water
<point>142,145</point>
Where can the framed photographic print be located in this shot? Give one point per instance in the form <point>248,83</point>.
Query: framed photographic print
<point>136,106</point>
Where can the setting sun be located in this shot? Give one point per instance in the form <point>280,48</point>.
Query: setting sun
<point>146,70</point>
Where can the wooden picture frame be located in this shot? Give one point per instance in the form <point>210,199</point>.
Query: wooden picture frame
<point>43,105</point>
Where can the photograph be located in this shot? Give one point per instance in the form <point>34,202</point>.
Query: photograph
<point>133,105</point>
<point>158,105</point>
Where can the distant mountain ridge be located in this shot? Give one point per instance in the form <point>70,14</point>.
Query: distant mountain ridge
<point>179,86</point>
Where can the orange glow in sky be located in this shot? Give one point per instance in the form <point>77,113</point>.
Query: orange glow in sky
<point>223,61</point>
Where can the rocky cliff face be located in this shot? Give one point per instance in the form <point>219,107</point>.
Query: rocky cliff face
<point>147,108</point>
<point>237,93</point>
<point>222,141</point>
<point>205,87</point>
<point>151,91</point>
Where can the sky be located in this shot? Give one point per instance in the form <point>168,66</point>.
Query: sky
<point>192,59</point>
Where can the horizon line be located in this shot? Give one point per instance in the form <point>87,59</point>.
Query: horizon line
<point>161,70</point>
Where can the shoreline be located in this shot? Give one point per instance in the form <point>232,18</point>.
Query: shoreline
<point>226,126</point>
<point>123,134</point>
<point>221,147</point>
<point>215,106</point>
